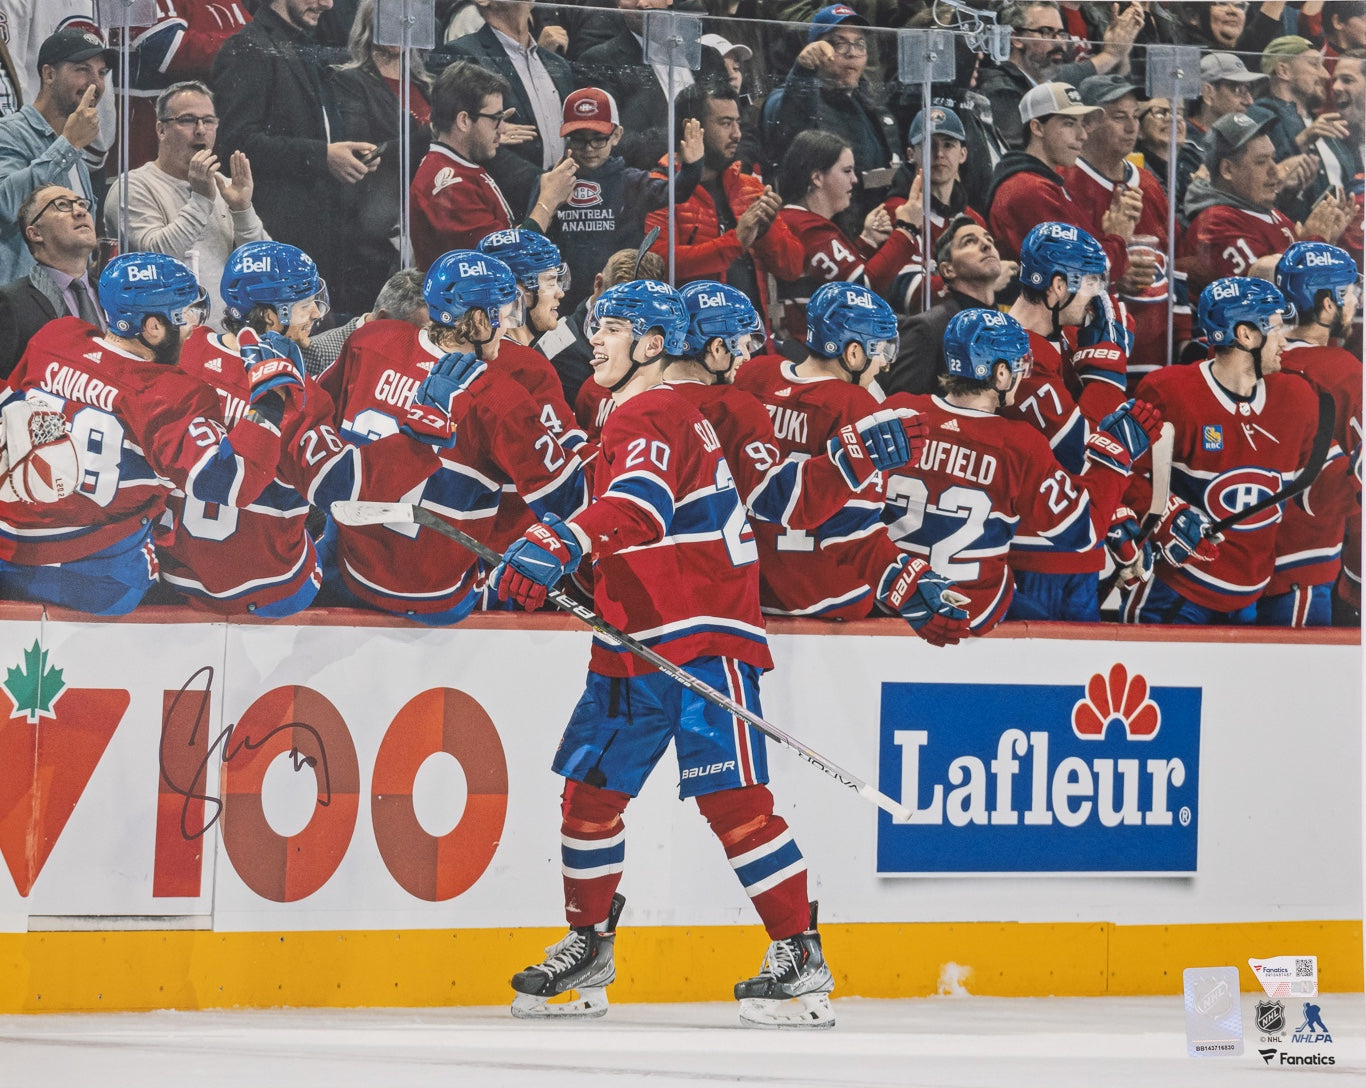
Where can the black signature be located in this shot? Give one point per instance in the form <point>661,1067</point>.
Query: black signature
<point>229,743</point>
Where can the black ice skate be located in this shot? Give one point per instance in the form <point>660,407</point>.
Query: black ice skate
<point>792,989</point>
<point>581,961</point>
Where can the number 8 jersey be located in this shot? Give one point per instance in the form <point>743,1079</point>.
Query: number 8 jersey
<point>141,428</point>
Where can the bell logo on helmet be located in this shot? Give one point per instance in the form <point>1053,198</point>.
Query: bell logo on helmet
<point>142,273</point>
<point>704,301</point>
<point>467,269</point>
<point>500,238</point>
<point>1317,259</point>
<point>858,298</point>
<point>1223,289</point>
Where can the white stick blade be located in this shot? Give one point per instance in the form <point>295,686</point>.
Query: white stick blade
<point>348,512</point>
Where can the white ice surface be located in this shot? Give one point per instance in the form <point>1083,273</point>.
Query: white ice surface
<point>967,1042</point>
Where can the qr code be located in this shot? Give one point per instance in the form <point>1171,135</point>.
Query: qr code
<point>1304,967</point>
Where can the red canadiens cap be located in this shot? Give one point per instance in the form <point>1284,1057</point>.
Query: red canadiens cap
<point>590,108</point>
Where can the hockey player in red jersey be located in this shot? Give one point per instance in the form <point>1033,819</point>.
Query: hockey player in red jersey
<point>502,442</point>
<point>847,564</point>
<point>1243,430</point>
<point>1079,343</point>
<point>260,559</point>
<point>1321,283</point>
<point>542,279</point>
<point>724,330</point>
<point>675,566</point>
<point>141,427</point>
<point>983,480</point>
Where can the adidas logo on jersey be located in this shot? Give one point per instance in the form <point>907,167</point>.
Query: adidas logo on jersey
<point>951,425</point>
<point>93,356</point>
<point>215,364</point>
<point>785,391</point>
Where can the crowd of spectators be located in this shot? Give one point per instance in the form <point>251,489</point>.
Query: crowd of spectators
<point>787,154</point>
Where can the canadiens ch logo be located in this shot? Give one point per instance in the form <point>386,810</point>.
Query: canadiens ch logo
<point>586,194</point>
<point>1235,491</point>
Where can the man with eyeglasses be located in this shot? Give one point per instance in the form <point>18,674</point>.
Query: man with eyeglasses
<point>1041,51</point>
<point>42,143</point>
<point>455,201</point>
<point>59,231</point>
<point>181,203</point>
<point>826,89</point>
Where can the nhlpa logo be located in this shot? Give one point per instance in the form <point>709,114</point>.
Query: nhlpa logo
<point>1098,775</point>
<point>586,194</point>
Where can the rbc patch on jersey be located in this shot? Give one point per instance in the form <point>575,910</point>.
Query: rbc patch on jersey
<point>1212,437</point>
<point>1100,776</point>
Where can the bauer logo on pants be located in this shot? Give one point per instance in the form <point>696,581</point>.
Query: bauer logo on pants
<point>1098,776</point>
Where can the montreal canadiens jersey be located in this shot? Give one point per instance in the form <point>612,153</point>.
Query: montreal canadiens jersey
<point>141,428</point>
<point>1230,453</point>
<point>225,558</point>
<point>1226,241</point>
<point>500,442</point>
<point>826,571</point>
<point>1309,542</point>
<point>674,560</point>
<point>981,483</point>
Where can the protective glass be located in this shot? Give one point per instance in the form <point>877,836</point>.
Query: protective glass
<point>1023,367</point>
<point>561,278</point>
<point>608,325</point>
<point>746,343</point>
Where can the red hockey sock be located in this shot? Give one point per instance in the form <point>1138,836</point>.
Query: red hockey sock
<point>592,850</point>
<point>763,854</point>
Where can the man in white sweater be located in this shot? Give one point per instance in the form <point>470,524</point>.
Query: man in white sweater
<point>179,203</point>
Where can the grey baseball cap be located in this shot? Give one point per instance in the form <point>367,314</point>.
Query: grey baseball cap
<point>1231,133</point>
<point>1100,90</point>
<point>1226,68</point>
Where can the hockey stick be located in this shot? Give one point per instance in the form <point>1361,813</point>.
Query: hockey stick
<point>397,513</point>
<point>1318,455</point>
<point>650,239</point>
<point>1157,505</point>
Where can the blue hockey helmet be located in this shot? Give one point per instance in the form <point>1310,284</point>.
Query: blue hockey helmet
<point>134,286</point>
<point>977,339</point>
<point>646,304</point>
<point>840,314</point>
<point>277,275</point>
<point>719,310</point>
<point>1061,249</point>
<point>1307,268</point>
<point>1237,300</point>
<point>464,280</point>
<point>528,254</point>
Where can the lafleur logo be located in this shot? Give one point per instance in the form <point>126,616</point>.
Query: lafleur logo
<point>1041,778</point>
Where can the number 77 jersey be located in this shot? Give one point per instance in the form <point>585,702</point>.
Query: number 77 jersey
<point>980,482</point>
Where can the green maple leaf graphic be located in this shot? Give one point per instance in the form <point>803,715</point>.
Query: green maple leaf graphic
<point>34,686</point>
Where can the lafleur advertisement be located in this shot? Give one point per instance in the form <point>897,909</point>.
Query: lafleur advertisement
<point>1101,776</point>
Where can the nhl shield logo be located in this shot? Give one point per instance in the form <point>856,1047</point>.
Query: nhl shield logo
<point>1270,1017</point>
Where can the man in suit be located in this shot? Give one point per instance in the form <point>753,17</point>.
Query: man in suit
<point>538,83</point>
<point>59,230</point>
<point>970,266</point>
